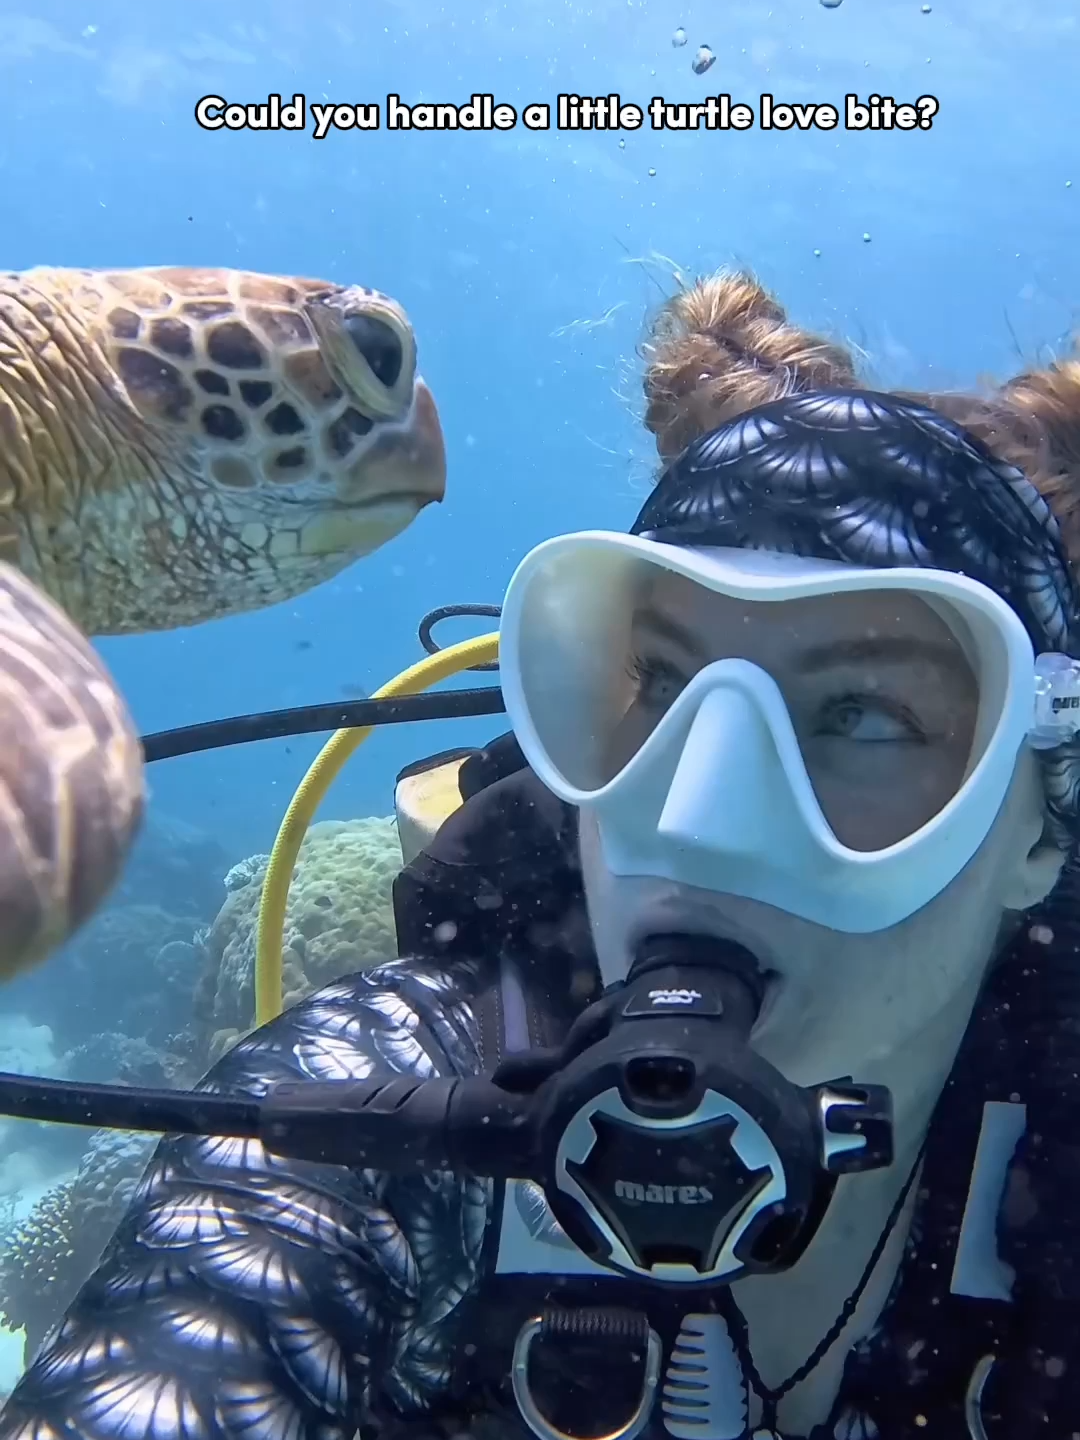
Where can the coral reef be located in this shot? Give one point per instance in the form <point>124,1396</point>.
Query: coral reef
<point>46,1257</point>
<point>175,866</point>
<point>26,1048</point>
<point>32,1152</point>
<point>133,968</point>
<point>244,871</point>
<point>36,1266</point>
<point>339,919</point>
<point>130,1060</point>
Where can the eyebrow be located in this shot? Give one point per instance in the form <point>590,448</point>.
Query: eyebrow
<point>891,649</point>
<point>888,649</point>
<point>668,629</point>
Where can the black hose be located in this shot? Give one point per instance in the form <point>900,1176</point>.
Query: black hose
<point>310,719</point>
<point>451,612</point>
<point>122,1107</point>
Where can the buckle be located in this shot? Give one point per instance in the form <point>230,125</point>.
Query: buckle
<point>537,1422</point>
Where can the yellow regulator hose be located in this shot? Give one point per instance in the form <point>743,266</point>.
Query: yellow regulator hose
<point>309,796</point>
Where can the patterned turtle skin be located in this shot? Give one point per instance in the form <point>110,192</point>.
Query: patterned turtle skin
<point>178,445</point>
<point>71,776</point>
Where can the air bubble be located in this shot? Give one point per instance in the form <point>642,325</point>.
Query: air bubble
<point>830,4</point>
<point>651,170</point>
<point>679,38</point>
<point>703,60</point>
<point>866,237</point>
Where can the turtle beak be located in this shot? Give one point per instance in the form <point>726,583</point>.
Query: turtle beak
<point>408,457</point>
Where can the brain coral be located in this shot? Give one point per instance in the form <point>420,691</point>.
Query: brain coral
<point>339,919</point>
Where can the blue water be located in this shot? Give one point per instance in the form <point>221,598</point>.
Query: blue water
<point>528,263</point>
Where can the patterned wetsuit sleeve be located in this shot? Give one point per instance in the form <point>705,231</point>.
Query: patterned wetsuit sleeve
<point>247,1296</point>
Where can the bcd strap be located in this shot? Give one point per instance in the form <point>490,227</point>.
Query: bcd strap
<point>584,1357</point>
<point>494,762</point>
<point>575,1358</point>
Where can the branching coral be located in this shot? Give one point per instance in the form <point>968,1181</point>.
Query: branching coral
<point>36,1261</point>
<point>45,1258</point>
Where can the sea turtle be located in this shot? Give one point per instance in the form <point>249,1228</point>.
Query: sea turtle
<point>181,444</point>
<point>175,445</point>
<point>71,776</point>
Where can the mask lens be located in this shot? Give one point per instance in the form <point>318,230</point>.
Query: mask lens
<point>889,695</point>
<point>878,693</point>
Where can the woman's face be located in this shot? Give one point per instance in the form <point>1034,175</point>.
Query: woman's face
<point>884,704</point>
<point>880,694</point>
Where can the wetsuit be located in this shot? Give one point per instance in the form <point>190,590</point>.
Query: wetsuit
<point>248,1296</point>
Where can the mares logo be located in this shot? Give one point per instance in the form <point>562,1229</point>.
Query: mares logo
<point>662,1194</point>
<point>1065,702</point>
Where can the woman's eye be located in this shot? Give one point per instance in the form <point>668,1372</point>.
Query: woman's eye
<point>867,721</point>
<point>656,683</point>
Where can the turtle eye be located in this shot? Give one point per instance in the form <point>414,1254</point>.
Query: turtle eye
<point>379,346</point>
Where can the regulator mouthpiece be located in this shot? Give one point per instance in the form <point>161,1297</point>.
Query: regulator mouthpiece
<point>731,967</point>
<point>681,1155</point>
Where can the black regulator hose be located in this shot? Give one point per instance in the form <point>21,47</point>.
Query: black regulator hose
<point>451,612</point>
<point>124,1107</point>
<point>336,715</point>
<point>313,719</point>
<point>400,1123</point>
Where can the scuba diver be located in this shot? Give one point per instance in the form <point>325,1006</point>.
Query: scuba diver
<point>769,901</point>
